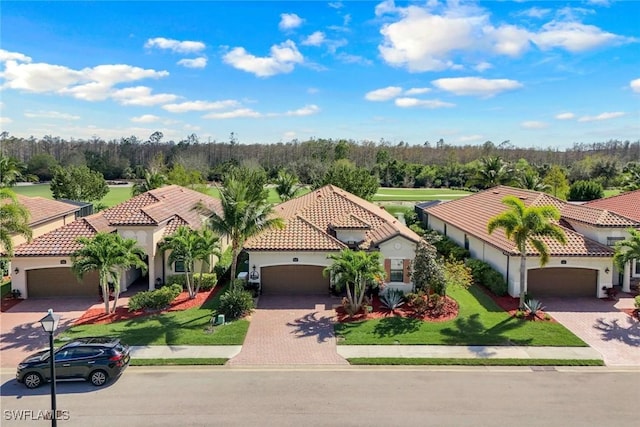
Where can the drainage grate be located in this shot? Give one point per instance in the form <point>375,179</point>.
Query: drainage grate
<point>543,368</point>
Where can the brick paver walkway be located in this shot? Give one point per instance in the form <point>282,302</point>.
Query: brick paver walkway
<point>290,331</point>
<point>599,323</point>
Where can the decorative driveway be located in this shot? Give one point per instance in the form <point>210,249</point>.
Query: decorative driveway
<point>20,326</point>
<point>291,330</point>
<point>602,325</point>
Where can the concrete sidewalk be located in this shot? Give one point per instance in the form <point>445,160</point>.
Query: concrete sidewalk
<point>351,351</point>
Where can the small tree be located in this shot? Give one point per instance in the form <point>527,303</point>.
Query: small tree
<point>286,185</point>
<point>183,247</point>
<point>355,270</point>
<point>347,176</point>
<point>427,272</point>
<point>78,183</point>
<point>583,191</point>
<point>456,273</point>
<point>207,245</point>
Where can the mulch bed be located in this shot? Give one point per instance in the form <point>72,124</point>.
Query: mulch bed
<point>97,316</point>
<point>510,305</point>
<point>8,302</point>
<point>448,312</point>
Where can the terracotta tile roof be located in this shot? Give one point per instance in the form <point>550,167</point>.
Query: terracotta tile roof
<point>169,206</point>
<point>472,214</point>
<point>625,204</point>
<point>309,219</point>
<point>595,216</point>
<point>43,210</point>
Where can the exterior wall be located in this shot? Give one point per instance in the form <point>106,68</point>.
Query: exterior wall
<point>44,227</point>
<point>398,248</point>
<point>350,235</point>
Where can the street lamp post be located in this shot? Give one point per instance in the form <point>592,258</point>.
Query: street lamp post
<point>50,324</point>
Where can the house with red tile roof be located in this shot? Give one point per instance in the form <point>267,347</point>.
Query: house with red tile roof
<point>45,263</point>
<point>323,222</point>
<point>581,267</point>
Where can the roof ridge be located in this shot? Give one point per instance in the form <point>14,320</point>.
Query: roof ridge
<point>624,193</point>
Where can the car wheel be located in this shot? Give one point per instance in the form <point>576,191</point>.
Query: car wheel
<point>32,380</point>
<point>98,378</point>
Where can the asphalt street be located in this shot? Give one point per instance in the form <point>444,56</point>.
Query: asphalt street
<point>349,396</point>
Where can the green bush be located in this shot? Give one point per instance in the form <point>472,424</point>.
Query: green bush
<point>448,248</point>
<point>637,301</point>
<point>485,275</point>
<point>235,303</point>
<point>223,264</point>
<point>478,269</point>
<point>155,300</point>
<point>583,191</point>
<point>209,280</point>
<point>177,279</point>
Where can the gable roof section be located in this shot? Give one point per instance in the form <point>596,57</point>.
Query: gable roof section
<point>595,216</point>
<point>625,204</point>
<point>172,206</point>
<point>42,210</point>
<point>309,219</point>
<point>472,213</point>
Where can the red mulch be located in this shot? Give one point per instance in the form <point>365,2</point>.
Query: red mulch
<point>97,316</point>
<point>635,313</point>
<point>8,302</point>
<point>448,312</point>
<point>510,305</point>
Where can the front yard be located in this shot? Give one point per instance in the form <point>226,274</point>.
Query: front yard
<point>480,322</point>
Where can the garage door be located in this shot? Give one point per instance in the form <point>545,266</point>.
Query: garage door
<point>294,279</point>
<point>53,282</point>
<point>561,282</point>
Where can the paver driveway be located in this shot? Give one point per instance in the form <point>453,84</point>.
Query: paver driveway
<point>20,326</point>
<point>600,323</point>
<point>291,331</point>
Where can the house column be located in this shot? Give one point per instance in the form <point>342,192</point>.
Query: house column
<point>626,277</point>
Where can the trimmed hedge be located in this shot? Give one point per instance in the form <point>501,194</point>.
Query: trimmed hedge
<point>209,280</point>
<point>155,300</point>
<point>485,275</point>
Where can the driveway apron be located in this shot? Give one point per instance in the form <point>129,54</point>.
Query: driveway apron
<point>601,324</point>
<point>22,333</point>
<point>291,330</point>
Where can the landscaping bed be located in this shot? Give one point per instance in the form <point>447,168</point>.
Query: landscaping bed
<point>448,311</point>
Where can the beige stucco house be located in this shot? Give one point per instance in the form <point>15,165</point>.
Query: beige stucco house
<point>45,265</point>
<point>582,267</point>
<point>320,223</point>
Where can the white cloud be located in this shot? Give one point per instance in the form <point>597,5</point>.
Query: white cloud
<point>239,113</point>
<point>353,59</point>
<point>635,85</point>
<point>535,12</point>
<point>315,39</point>
<point>145,118</point>
<point>289,135</point>
<point>387,6</point>
<point>426,103</point>
<point>417,91</point>
<point>39,77</point>
<point>532,124</point>
<point>200,62</point>
<point>483,66</point>
<point>508,40</point>
<point>575,37</point>
<point>289,21</point>
<point>5,55</point>
<point>565,116</point>
<point>307,110</point>
<point>51,115</point>
<point>603,116</point>
<point>476,86</point>
<point>175,45</point>
<point>5,120</point>
<point>141,95</point>
<point>185,107</point>
<point>469,138</point>
<point>282,60</point>
<point>383,94</point>
<point>335,5</point>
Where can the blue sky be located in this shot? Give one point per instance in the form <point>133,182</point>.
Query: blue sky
<point>540,74</point>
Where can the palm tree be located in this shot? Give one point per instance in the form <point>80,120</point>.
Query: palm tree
<point>355,270</point>
<point>10,171</point>
<point>245,213</point>
<point>208,244</point>
<point>286,185</point>
<point>493,171</point>
<point>527,225</point>
<point>14,220</point>
<point>530,180</point>
<point>183,245</point>
<point>109,254</point>
<point>151,181</point>
<point>627,250</point>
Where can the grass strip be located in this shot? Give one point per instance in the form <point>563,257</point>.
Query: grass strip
<point>181,362</point>
<point>473,362</point>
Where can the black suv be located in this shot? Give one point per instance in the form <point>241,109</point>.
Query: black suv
<point>95,359</point>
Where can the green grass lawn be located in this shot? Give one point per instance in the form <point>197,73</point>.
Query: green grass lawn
<point>115,196</point>
<point>417,194</point>
<point>473,362</point>
<point>479,322</point>
<point>188,327</point>
<point>5,288</point>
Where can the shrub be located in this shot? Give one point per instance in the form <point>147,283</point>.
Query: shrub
<point>235,303</point>
<point>520,314</point>
<point>155,300</point>
<point>637,302</point>
<point>478,269</point>
<point>418,302</point>
<point>583,191</point>
<point>224,264</point>
<point>483,274</point>
<point>449,249</point>
<point>177,279</point>
<point>436,302</point>
<point>534,306</point>
<point>392,298</point>
<point>209,281</point>
<point>253,288</point>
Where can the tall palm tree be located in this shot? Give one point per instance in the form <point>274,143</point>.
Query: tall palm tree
<point>628,249</point>
<point>528,225</point>
<point>10,171</point>
<point>286,185</point>
<point>183,245</point>
<point>151,181</point>
<point>245,213</point>
<point>492,171</point>
<point>354,270</point>
<point>14,220</point>
<point>108,254</point>
<point>207,244</point>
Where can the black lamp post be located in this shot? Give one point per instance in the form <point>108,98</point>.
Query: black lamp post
<point>50,324</point>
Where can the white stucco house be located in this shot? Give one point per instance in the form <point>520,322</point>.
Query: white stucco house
<point>582,267</point>
<point>44,265</point>
<point>323,222</point>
